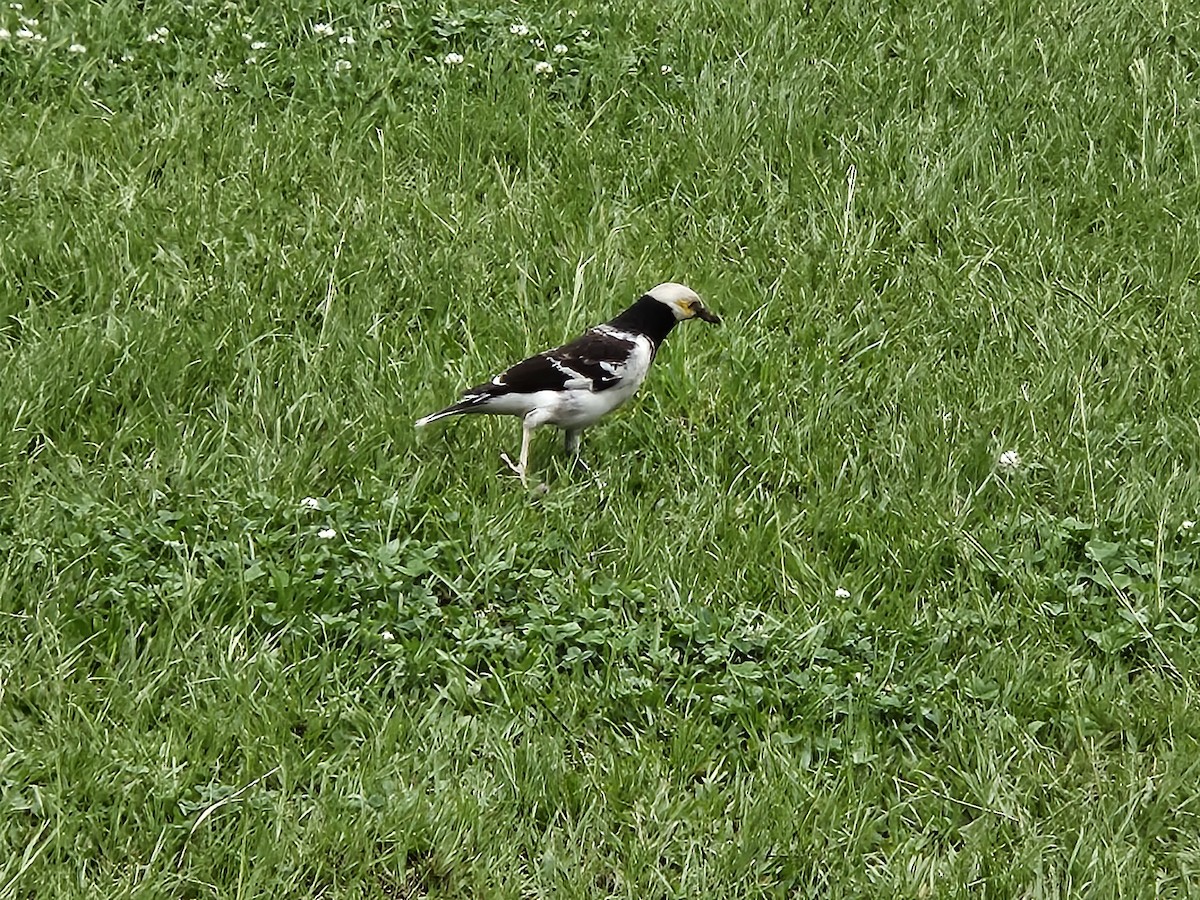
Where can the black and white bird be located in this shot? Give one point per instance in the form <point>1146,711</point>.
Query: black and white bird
<point>577,384</point>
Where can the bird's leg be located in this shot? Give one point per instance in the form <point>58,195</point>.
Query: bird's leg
<point>526,438</point>
<point>520,468</point>
<point>571,441</point>
<point>571,444</point>
<point>573,448</point>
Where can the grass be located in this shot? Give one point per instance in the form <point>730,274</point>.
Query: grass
<point>936,233</point>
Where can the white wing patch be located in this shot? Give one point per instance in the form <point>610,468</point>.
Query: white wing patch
<point>574,380</point>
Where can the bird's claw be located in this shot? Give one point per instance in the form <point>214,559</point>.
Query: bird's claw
<point>517,470</point>
<point>580,464</point>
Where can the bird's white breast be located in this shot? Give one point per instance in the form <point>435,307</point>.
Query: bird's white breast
<point>581,407</point>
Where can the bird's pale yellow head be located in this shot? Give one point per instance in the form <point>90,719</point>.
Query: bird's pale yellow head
<point>683,302</point>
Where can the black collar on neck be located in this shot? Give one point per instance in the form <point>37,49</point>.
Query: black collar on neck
<point>649,317</point>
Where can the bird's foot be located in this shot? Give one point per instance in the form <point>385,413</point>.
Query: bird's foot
<point>580,464</point>
<point>518,470</point>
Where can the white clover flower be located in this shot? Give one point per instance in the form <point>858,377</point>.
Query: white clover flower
<point>24,34</point>
<point>327,534</point>
<point>28,23</point>
<point>519,30</point>
<point>541,67</point>
<point>323,28</point>
<point>258,45</point>
<point>250,60</point>
<point>560,49</point>
<point>5,34</point>
<point>127,57</point>
<point>665,70</point>
<point>572,13</point>
<point>17,6</point>
<point>387,636</point>
<point>539,43</point>
<point>1187,525</point>
<point>310,503</point>
<point>347,39</point>
<point>842,594</point>
<point>77,48</point>
<point>158,36</point>
<point>39,38</point>
<point>453,59</point>
<point>1009,460</point>
<point>585,33</point>
<point>342,65</point>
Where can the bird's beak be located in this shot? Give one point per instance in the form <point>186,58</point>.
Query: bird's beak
<point>706,314</point>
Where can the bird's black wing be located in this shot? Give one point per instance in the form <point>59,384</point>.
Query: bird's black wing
<point>594,361</point>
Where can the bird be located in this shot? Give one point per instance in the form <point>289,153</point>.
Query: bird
<point>577,384</point>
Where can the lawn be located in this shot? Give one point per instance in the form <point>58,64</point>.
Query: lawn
<point>888,586</point>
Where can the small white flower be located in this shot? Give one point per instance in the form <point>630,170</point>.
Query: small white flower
<point>342,65</point>
<point>665,70</point>
<point>327,534</point>
<point>17,6</point>
<point>323,28</point>
<point>162,31</point>
<point>387,636</point>
<point>541,67</point>
<point>247,36</point>
<point>5,34</point>
<point>519,30</point>
<point>155,38</point>
<point>842,594</point>
<point>560,49</point>
<point>250,60</point>
<point>258,45</point>
<point>539,43</point>
<point>453,59</point>
<point>1187,525</point>
<point>77,48</point>
<point>1009,460</point>
<point>310,503</point>
<point>347,39</point>
<point>39,38</point>
<point>585,33</point>
<point>28,23</point>
<point>24,34</point>
<point>126,57</point>
<point>572,13</point>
